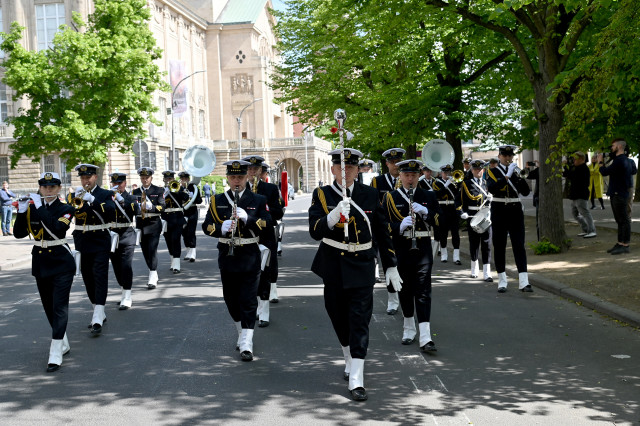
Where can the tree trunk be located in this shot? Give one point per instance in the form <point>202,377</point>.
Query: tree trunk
<point>637,191</point>
<point>551,212</point>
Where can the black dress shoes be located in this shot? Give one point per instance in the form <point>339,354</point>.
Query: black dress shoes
<point>246,356</point>
<point>52,367</point>
<point>192,260</point>
<point>345,376</point>
<point>502,289</point>
<point>273,301</point>
<point>91,325</point>
<point>527,289</point>
<point>408,341</point>
<point>429,347</point>
<point>620,249</point>
<point>96,329</point>
<point>488,280</point>
<point>263,324</point>
<point>359,394</point>
<point>392,311</point>
<point>457,262</point>
<point>613,248</point>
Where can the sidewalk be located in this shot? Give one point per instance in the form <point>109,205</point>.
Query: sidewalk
<point>585,274</point>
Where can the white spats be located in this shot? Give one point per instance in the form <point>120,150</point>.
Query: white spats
<point>175,264</point>
<point>98,315</point>
<point>66,347</point>
<point>523,280</point>
<point>263,310</point>
<point>456,255</point>
<point>425,333</point>
<point>193,254</point>
<point>239,329</point>
<point>347,359</point>
<point>393,302</point>
<point>486,271</point>
<point>444,255</point>
<point>502,280</point>
<point>273,294</point>
<point>409,329</point>
<point>246,340</point>
<point>356,376</point>
<point>153,279</point>
<point>125,302</point>
<point>55,352</point>
<point>474,269</point>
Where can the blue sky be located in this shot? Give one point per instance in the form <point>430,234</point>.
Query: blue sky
<point>278,4</point>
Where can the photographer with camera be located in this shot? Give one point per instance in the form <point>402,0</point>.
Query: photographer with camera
<point>578,175</point>
<point>620,172</point>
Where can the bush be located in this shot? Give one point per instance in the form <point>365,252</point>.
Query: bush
<point>214,181</point>
<point>544,246</point>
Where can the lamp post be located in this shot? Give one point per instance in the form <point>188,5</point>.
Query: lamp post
<point>239,119</point>
<point>307,133</point>
<point>173,132</point>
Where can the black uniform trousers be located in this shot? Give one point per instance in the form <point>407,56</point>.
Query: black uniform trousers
<point>479,243</point>
<point>122,260</point>
<point>189,231</point>
<point>508,219</point>
<point>173,236</point>
<point>239,290</point>
<point>449,221</point>
<point>350,312</point>
<point>95,272</point>
<point>414,267</point>
<point>149,241</point>
<point>54,293</point>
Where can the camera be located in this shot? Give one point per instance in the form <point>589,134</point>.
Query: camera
<point>531,163</point>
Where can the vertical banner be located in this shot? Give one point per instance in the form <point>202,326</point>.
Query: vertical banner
<point>284,187</point>
<point>176,73</point>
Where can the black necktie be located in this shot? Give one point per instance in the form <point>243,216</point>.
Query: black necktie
<point>348,192</point>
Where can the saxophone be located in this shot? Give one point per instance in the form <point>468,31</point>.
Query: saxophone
<point>398,183</point>
<point>254,185</point>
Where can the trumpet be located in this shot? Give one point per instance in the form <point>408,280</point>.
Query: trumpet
<point>521,173</point>
<point>398,183</point>
<point>143,203</point>
<point>174,186</point>
<point>77,201</point>
<point>254,185</point>
<point>457,176</point>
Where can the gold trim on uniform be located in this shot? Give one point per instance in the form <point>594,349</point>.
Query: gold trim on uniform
<point>211,229</point>
<point>391,206</point>
<point>473,197</point>
<point>64,220</point>
<point>323,200</point>
<point>261,223</point>
<point>212,207</point>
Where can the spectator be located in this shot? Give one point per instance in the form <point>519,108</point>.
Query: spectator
<point>6,196</point>
<point>206,188</point>
<point>595,183</point>
<point>134,186</point>
<point>620,180</point>
<point>292,194</point>
<point>579,176</point>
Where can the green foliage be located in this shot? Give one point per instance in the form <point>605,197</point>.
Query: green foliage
<point>91,90</point>
<point>544,246</point>
<point>214,181</point>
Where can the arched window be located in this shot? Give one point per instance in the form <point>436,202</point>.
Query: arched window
<point>143,158</point>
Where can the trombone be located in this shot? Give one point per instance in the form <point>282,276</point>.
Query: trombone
<point>174,186</point>
<point>457,176</point>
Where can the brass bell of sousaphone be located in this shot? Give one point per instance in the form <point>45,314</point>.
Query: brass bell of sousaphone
<point>437,153</point>
<point>198,161</point>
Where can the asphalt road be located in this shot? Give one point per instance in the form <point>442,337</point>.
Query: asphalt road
<point>503,359</point>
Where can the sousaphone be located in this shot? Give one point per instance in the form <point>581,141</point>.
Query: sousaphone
<point>198,161</point>
<point>437,153</point>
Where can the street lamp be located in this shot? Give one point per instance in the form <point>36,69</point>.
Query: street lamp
<point>240,124</point>
<point>173,132</point>
<point>307,133</point>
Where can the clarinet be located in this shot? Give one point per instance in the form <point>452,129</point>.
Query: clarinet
<point>234,222</point>
<point>413,219</point>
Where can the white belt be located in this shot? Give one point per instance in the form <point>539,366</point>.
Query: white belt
<point>418,234</point>
<point>351,247</point>
<point>121,225</point>
<point>506,200</point>
<point>239,241</point>
<point>173,209</point>
<point>476,208</point>
<point>94,227</point>
<point>446,202</point>
<point>146,215</point>
<point>49,243</point>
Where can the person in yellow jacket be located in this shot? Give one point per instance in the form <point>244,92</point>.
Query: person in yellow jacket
<point>595,184</point>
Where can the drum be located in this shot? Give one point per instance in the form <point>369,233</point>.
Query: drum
<point>481,221</point>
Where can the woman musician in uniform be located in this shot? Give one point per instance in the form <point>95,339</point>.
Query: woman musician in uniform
<point>53,266</point>
<point>473,196</point>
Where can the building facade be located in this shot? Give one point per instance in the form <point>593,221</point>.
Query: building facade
<point>228,46</point>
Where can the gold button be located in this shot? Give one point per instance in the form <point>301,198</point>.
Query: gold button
<point>341,253</point>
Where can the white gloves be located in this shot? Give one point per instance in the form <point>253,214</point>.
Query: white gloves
<point>419,209</point>
<point>226,226</point>
<point>489,197</point>
<point>511,168</point>
<point>88,197</point>
<point>119,198</point>
<point>148,205</point>
<point>37,200</point>
<point>406,223</point>
<point>190,194</point>
<point>448,182</point>
<point>242,214</point>
<point>464,216</point>
<point>166,192</point>
<point>115,188</point>
<point>342,210</point>
<point>79,189</point>
<point>23,206</point>
<point>393,277</point>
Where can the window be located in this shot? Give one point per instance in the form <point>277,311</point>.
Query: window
<point>192,118</point>
<point>4,169</point>
<point>201,124</point>
<point>3,103</point>
<point>65,176</point>
<point>1,29</point>
<point>49,163</point>
<point>48,18</point>
<point>143,158</point>
<point>162,113</point>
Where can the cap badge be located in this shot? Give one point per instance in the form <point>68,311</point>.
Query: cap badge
<point>235,165</point>
<point>347,153</point>
<point>393,152</point>
<point>412,163</point>
<point>48,176</point>
<point>83,168</point>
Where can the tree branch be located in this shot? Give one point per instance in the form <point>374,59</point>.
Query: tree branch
<point>498,59</point>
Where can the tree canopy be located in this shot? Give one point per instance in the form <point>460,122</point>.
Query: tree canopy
<point>90,90</point>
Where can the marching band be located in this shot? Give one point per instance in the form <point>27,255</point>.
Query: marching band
<point>398,217</point>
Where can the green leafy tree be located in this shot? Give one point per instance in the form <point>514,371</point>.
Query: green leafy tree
<point>91,90</point>
<point>402,75</point>
<point>548,37</point>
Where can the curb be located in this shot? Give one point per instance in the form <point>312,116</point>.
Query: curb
<point>18,263</point>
